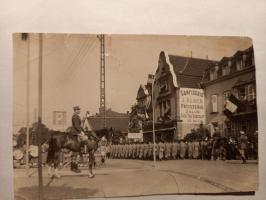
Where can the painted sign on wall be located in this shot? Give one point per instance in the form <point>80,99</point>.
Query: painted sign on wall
<point>192,108</point>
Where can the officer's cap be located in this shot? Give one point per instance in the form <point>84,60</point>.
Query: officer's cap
<point>76,108</point>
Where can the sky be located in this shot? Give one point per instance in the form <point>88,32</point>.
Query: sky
<point>71,69</point>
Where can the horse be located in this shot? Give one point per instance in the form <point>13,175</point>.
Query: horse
<point>62,140</point>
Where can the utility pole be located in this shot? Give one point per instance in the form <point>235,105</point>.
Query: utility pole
<point>39,133</point>
<point>25,37</point>
<point>102,79</point>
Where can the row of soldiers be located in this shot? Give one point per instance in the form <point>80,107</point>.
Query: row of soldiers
<point>163,150</point>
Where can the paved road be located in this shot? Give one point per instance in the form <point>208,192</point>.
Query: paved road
<point>135,177</point>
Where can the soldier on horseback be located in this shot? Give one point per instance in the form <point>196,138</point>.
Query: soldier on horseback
<point>79,132</point>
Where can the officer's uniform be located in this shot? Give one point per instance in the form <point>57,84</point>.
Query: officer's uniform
<point>77,128</point>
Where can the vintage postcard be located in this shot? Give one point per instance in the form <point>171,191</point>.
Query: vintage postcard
<point>133,115</point>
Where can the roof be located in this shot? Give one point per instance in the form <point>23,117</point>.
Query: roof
<point>115,120</point>
<point>189,70</point>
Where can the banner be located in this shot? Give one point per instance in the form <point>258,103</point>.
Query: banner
<point>192,108</point>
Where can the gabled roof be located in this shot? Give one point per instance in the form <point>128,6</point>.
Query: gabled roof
<point>188,70</point>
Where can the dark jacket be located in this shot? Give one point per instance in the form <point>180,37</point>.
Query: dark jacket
<point>76,124</point>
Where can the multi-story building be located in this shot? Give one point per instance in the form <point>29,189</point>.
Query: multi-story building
<point>178,99</point>
<point>230,94</point>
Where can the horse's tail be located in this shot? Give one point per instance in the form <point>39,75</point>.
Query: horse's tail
<point>51,149</point>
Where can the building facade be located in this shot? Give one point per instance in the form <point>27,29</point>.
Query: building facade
<point>177,96</point>
<point>230,94</point>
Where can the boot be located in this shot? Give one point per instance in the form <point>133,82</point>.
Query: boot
<point>244,160</point>
<point>74,167</point>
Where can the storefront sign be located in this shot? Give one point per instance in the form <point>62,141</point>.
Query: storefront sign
<point>192,109</point>
<point>135,136</point>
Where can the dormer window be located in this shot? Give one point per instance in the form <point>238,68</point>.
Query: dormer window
<point>226,70</point>
<point>239,64</point>
<point>214,73</point>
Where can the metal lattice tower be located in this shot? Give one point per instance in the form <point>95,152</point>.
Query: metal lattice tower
<point>102,79</point>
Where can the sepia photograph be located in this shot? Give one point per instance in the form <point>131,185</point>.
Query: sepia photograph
<point>113,115</point>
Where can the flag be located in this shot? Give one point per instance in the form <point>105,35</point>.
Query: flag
<point>230,106</point>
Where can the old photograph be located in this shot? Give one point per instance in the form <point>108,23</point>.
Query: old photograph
<point>109,115</point>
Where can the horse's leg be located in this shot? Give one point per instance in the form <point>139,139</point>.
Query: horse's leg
<point>91,162</point>
<point>50,174</point>
<point>56,165</point>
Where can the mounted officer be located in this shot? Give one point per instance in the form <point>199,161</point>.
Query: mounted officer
<point>77,125</point>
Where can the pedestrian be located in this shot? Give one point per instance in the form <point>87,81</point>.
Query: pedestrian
<point>242,145</point>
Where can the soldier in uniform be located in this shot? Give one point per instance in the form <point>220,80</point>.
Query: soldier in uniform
<point>146,149</point>
<point>79,132</point>
<point>178,147</point>
<point>174,150</point>
<point>190,149</point>
<point>196,148</point>
<point>167,151</point>
<point>150,151</point>
<point>242,145</point>
<point>183,147</point>
<point>161,150</point>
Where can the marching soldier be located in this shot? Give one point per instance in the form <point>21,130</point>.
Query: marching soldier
<point>146,149</point>
<point>167,150</point>
<point>178,148</point>
<point>161,150</point>
<point>174,150</point>
<point>196,148</point>
<point>190,149</point>
<point>150,151</point>
<point>183,147</point>
<point>133,150</point>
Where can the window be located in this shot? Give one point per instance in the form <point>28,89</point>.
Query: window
<point>214,73</point>
<point>226,70</point>
<point>239,64</point>
<point>226,95</point>
<point>242,93</point>
<point>214,103</point>
<point>168,108</point>
<point>251,92</point>
<point>163,86</point>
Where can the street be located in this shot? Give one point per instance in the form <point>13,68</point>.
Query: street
<point>139,177</point>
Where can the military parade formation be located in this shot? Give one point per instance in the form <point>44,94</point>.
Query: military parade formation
<point>208,149</point>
